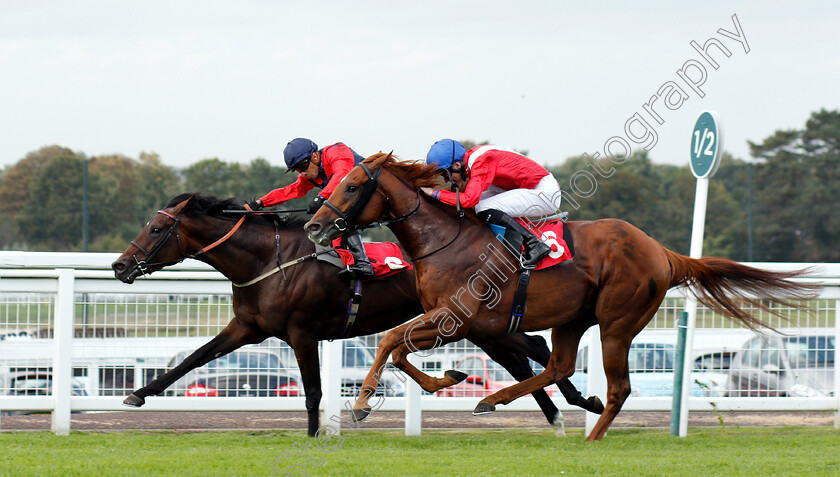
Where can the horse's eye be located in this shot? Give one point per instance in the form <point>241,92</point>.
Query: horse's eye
<point>156,230</point>
<point>352,189</point>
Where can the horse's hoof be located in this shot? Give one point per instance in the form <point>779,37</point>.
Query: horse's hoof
<point>360,415</point>
<point>595,404</point>
<point>559,425</point>
<point>133,401</point>
<point>458,376</point>
<point>483,408</point>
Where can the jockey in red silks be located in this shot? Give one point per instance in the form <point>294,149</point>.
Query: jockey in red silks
<point>501,184</point>
<point>324,169</point>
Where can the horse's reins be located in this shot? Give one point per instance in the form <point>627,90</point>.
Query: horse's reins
<point>284,266</point>
<point>144,265</point>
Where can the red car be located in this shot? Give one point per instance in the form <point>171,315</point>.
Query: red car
<point>484,377</point>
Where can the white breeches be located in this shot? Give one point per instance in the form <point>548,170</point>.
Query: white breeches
<point>544,199</point>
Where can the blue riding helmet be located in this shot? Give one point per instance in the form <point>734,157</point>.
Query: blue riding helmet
<point>445,152</point>
<point>298,150</point>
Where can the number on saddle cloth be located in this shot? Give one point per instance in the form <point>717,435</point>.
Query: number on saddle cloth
<point>513,241</point>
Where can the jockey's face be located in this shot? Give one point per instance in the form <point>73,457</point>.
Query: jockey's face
<point>458,173</point>
<point>312,168</point>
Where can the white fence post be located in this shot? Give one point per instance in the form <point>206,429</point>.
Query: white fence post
<point>62,369</point>
<point>331,383</point>
<point>596,379</point>
<point>413,409</point>
<point>836,364</point>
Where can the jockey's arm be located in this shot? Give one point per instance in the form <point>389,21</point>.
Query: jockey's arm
<point>296,189</point>
<point>341,162</point>
<point>479,182</point>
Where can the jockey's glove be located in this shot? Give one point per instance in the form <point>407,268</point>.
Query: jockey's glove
<point>316,204</point>
<point>255,204</point>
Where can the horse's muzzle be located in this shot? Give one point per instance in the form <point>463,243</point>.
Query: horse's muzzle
<point>320,234</point>
<point>125,272</point>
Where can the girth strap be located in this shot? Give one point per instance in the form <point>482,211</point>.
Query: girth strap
<point>352,307</point>
<point>519,297</point>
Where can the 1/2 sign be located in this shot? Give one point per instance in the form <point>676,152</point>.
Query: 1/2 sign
<point>706,145</point>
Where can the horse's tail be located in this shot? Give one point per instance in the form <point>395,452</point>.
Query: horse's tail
<point>722,284</point>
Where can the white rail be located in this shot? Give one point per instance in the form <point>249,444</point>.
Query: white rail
<point>65,275</point>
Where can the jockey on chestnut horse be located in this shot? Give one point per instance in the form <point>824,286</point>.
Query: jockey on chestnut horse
<point>617,279</point>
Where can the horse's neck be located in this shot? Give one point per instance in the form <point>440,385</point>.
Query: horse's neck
<point>432,228</point>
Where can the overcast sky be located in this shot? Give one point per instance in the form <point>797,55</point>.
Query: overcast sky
<point>238,80</point>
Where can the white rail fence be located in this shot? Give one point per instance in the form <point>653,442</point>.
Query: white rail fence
<point>66,315</point>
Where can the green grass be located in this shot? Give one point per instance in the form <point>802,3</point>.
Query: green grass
<point>741,451</point>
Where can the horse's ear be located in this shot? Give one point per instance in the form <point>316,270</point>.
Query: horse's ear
<point>184,204</point>
<point>379,161</point>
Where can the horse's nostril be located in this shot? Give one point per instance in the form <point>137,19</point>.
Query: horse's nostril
<point>118,267</point>
<point>313,228</point>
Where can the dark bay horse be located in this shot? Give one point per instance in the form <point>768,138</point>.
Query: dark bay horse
<point>617,280</point>
<point>308,306</point>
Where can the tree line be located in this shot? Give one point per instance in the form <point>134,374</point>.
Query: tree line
<point>777,207</point>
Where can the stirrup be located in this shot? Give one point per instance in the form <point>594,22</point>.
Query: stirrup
<point>533,262</point>
<point>355,272</point>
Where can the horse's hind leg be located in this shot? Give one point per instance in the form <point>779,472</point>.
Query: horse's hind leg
<point>235,335</point>
<point>615,350</point>
<point>617,332</point>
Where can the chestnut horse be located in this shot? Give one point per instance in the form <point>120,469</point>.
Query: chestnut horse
<point>305,307</point>
<point>617,280</point>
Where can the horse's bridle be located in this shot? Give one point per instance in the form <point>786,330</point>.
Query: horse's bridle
<point>144,266</point>
<point>371,186</point>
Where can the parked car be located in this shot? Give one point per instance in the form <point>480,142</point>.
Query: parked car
<point>651,366</point>
<point>245,372</point>
<point>714,366</point>
<point>34,383</point>
<point>270,369</point>
<point>484,377</point>
<point>241,385</point>
<point>779,365</point>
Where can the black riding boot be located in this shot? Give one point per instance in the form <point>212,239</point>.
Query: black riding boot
<point>534,249</point>
<point>362,267</point>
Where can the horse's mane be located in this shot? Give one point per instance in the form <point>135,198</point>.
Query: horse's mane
<point>214,207</point>
<point>415,173</point>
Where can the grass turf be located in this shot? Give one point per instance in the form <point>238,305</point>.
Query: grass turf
<point>741,451</point>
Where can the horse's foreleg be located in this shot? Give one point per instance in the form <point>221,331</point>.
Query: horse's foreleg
<point>534,347</point>
<point>306,353</point>
<point>517,365</point>
<point>538,351</point>
<point>418,334</point>
<point>560,366</point>
<point>235,335</point>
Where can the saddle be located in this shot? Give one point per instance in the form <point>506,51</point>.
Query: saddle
<point>386,257</point>
<point>553,233</point>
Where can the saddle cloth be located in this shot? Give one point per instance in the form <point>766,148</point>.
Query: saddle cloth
<point>551,234</point>
<point>386,257</point>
